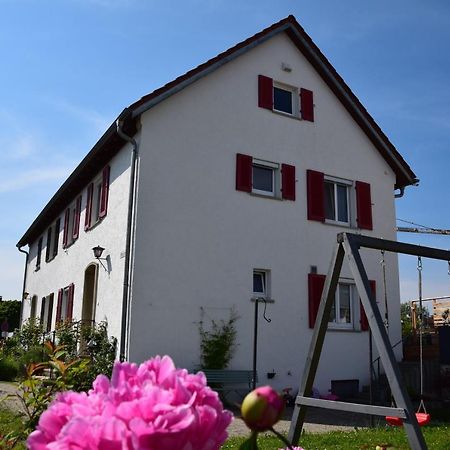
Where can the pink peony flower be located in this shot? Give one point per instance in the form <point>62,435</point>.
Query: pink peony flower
<point>153,406</point>
<point>262,408</point>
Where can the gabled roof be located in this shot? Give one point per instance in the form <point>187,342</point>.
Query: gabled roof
<point>110,143</point>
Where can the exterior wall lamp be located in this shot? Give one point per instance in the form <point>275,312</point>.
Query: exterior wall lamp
<point>98,251</point>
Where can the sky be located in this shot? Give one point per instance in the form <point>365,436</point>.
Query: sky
<point>69,67</point>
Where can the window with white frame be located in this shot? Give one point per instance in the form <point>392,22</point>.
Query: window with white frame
<point>285,99</point>
<point>72,222</point>
<point>261,283</point>
<point>265,177</point>
<point>96,201</point>
<point>337,200</point>
<point>52,240</point>
<point>33,306</point>
<point>47,312</point>
<point>65,303</point>
<point>39,254</point>
<point>343,310</point>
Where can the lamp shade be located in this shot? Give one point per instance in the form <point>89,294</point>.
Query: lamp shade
<point>98,251</point>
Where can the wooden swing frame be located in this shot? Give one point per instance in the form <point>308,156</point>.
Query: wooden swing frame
<point>348,245</point>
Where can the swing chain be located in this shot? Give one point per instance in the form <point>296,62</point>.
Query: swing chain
<point>448,267</point>
<point>419,264</point>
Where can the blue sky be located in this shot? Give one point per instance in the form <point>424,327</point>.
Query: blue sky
<point>69,67</point>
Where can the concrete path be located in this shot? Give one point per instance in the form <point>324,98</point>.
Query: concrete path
<point>12,402</point>
<point>317,421</point>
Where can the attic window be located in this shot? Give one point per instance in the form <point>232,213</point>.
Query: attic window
<point>283,99</point>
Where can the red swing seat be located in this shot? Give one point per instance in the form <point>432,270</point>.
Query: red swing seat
<point>422,419</point>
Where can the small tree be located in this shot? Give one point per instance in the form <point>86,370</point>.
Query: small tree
<point>217,345</point>
<point>10,311</point>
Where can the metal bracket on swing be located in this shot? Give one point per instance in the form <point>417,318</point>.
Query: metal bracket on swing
<point>348,245</point>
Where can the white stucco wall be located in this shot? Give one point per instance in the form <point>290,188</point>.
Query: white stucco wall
<point>70,264</point>
<point>198,239</point>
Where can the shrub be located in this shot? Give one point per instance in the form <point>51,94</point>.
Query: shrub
<point>217,344</point>
<point>31,335</point>
<point>9,369</point>
<point>34,355</point>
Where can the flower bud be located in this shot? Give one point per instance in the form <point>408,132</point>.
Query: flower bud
<point>262,408</point>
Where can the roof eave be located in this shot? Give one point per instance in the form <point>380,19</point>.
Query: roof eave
<point>85,170</point>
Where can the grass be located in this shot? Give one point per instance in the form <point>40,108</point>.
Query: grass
<point>436,437</point>
<point>10,421</point>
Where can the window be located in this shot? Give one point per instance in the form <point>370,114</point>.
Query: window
<point>97,200</point>
<point>47,312</point>
<point>341,315</point>
<point>282,98</point>
<point>39,254</point>
<point>33,307</point>
<point>264,177</point>
<point>52,241</point>
<point>72,223</point>
<point>337,201</point>
<point>64,308</point>
<point>48,252</point>
<point>259,283</point>
<point>347,311</point>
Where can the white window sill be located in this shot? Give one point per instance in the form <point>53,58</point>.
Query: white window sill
<point>285,114</point>
<point>334,327</point>
<point>262,195</point>
<point>338,224</point>
<point>262,300</point>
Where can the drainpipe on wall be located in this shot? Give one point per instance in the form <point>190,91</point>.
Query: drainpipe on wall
<point>129,247</point>
<point>24,282</point>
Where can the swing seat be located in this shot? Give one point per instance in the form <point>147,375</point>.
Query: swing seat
<point>422,419</point>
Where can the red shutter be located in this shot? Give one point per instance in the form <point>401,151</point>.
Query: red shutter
<point>364,321</point>
<point>42,311</point>
<point>105,192</point>
<point>69,313</point>
<point>88,210</point>
<point>244,173</point>
<point>316,195</point>
<point>76,219</point>
<point>50,313</point>
<point>265,92</point>
<point>315,288</point>
<point>59,306</point>
<point>306,105</point>
<point>288,181</point>
<point>66,227</point>
<point>363,205</point>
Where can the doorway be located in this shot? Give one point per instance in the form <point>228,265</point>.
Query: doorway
<point>89,295</point>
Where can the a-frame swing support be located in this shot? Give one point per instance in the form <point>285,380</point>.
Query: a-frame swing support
<point>348,246</point>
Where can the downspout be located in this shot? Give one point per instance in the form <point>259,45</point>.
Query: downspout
<point>24,282</point>
<point>129,248</point>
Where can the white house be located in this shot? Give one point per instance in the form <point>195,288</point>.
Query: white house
<point>229,183</point>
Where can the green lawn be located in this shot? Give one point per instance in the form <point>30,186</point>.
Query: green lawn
<point>8,423</point>
<point>436,437</point>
